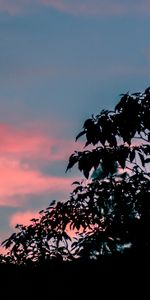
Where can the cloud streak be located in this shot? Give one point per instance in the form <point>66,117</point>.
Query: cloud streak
<point>22,155</point>
<point>33,144</point>
<point>79,7</point>
<point>84,7</point>
<point>22,218</point>
<point>19,180</point>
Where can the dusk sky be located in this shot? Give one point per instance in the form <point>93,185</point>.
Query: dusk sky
<point>60,61</point>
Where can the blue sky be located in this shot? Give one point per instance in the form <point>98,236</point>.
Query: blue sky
<point>60,61</point>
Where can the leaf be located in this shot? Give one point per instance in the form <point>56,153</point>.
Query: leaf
<point>146,149</point>
<point>86,144</point>
<point>142,159</point>
<point>147,91</point>
<point>34,220</point>
<point>88,123</point>
<point>7,243</point>
<point>80,134</point>
<point>72,161</point>
<point>86,173</point>
<point>97,174</point>
<point>89,137</point>
<point>126,138</point>
<point>112,140</point>
<point>136,94</point>
<point>52,202</point>
<point>102,138</point>
<point>4,242</point>
<point>122,102</point>
<point>66,236</point>
<point>147,160</point>
<point>76,182</point>
<point>77,225</point>
<point>132,155</point>
<point>78,189</point>
<point>122,156</point>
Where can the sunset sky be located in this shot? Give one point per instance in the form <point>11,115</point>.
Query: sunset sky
<point>60,61</point>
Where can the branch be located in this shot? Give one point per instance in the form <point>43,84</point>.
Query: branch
<point>135,165</point>
<point>141,138</point>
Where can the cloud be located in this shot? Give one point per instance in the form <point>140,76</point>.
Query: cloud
<point>22,218</point>
<point>23,153</point>
<point>33,144</point>
<point>79,7</point>
<point>12,7</point>
<point>87,7</point>
<point>18,179</point>
<point>99,7</point>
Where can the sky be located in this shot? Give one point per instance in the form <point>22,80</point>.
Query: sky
<point>60,62</point>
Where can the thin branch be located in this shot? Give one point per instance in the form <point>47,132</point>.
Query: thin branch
<point>136,164</point>
<point>141,138</point>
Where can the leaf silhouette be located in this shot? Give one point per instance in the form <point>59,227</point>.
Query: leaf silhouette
<point>72,161</point>
<point>147,91</point>
<point>142,159</point>
<point>147,160</point>
<point>80,134</point>
<point>132,155</point>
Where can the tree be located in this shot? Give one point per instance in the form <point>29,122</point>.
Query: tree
<point>110,208</point>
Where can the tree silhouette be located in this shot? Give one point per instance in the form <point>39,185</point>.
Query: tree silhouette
<point>108,212</point>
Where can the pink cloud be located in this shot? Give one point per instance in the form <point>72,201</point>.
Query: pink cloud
<point>20,176</point>
<point>23,218</point>
<point>18,179</point>
<point>33,143</point>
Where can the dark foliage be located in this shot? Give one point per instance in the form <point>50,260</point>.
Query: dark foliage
<point>109,211</point>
